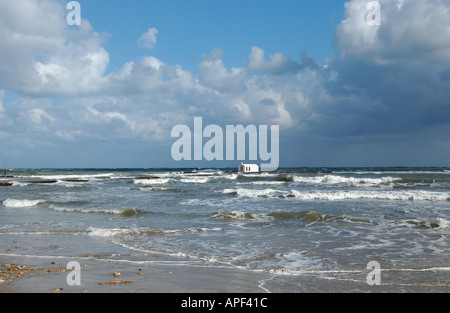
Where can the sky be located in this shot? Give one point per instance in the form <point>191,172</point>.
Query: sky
<point>349,83</point>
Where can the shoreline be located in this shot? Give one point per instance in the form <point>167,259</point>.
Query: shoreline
<point>35,275</point>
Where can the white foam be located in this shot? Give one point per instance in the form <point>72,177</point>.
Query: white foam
<point>105,232</point>
<point>208,202</point>
<point>195,180</point>
<point>435,223</point>
<point>65,177</point>
<point>418,195</point>
<point>87,210</point>
<point>254,193</point>
<point>191,230</point>
<point>154,188</point>
<point>155,181</point>
<point>46,233</point>
<point>297,260</point>
<point>343,181</point>
<point>443,223</point>
<point>14,203</point>
<point>262,182</point>
<point>20,184</point>
<point>111,232</point>
<point>395,172</point>
<point>239,215</point>
<point>231,176</point>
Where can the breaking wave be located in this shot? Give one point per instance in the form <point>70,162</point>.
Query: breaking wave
<point>14,203</point>
<point>95,176</point>
<point>305,216</point>
<point>255,193</point>
<point>313,216</point>
<point>337,195</point>
<point>436,223</point>
<point>237,215</point>
<point>195,180</point>
<point>111,232</point>
<point>152,181</point>
<point>419,195</point>
<point>125,212</point>
<point>343,181</point>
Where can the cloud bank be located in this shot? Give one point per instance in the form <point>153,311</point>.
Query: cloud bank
<point>387,90</point>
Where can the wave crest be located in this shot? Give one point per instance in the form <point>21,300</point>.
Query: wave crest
<point>15,203</point>
<point>313,216</point>
<point>371,195</point>
<point>255,193</point>
<point>435,223</point>
<point>125,212</point>
<point>236,215</point>
<point>343,181</point>
<point>305,216</point>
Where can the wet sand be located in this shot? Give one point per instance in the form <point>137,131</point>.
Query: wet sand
<point>34,275</point>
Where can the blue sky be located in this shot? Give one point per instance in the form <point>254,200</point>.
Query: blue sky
<point>189,29</point>
<point>107,93</point>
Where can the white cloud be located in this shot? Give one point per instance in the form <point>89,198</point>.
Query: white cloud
<point>153,63</point>
<point>40,118</point>
<point>148,39</point>
<point>78,67</point>
<point>5,120</point>
<point>410,29</point>
<point>2,95</point>
<point>390,79</point>
<point>73,63</point>
<point>28,29</point>
<point>213,73</point>
<point>387,80</point>
<point>277,63</point>
<point>42,56</point>
<point>68,135</point>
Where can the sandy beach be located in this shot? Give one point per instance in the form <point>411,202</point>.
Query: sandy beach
<point>34,275</point>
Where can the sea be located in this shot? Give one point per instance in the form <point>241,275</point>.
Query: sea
<point>309,229</point>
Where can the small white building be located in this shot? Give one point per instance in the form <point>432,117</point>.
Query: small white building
<point>248,168</point>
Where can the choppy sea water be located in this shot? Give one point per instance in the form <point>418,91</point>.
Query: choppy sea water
<point>312,229</point>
